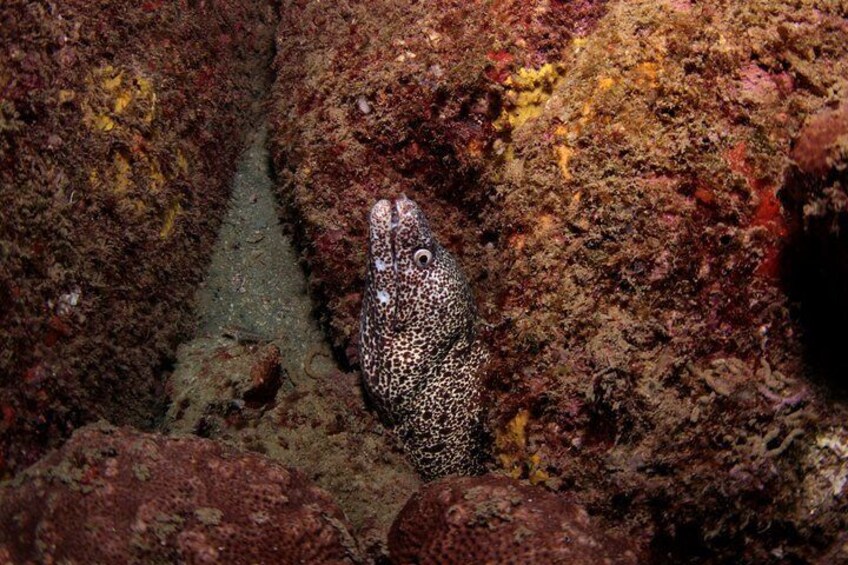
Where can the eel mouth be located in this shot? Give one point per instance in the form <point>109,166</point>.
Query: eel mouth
<point>397,226</point>
<point>393,229</point>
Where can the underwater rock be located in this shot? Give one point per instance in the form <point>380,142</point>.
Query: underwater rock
<point>119,128</point>
<point>114,496</point>
<point>606,174</point>
<point>494,519</point>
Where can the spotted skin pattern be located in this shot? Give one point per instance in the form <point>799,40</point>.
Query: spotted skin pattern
<point>421,356</point>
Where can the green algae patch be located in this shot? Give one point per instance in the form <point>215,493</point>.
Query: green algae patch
<point>141,472</point>
<point>209,516</point>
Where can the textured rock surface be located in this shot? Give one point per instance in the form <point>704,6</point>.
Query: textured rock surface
<point>606,174</point>
<point>119,127</point>
<point>499,520</point>
<point>112,495</point>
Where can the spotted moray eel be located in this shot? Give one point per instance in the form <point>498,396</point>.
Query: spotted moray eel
<point>421,355</point>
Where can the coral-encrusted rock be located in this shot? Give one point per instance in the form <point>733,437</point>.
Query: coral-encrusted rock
<point>823,143</point>
<point>497,520</point>
<point>120,126</point>
<point>609,189</point>
<point>114,495</point>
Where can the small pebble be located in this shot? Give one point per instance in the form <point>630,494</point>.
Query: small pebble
<point>363,105</point>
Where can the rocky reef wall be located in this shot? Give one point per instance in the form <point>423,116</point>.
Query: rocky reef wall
<point>119,127</point>
<point>608,175</point>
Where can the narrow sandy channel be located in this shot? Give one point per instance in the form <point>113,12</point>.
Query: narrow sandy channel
<point>260,375</point>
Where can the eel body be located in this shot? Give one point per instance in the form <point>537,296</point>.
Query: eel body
<point>420,350</point>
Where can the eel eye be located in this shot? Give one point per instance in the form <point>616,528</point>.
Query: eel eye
<point>422,257</point>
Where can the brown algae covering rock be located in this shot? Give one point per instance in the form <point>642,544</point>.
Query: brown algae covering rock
<point>606,173</point>
<point>113,495</point>
<point>119,126</point>
<point>494,519</point>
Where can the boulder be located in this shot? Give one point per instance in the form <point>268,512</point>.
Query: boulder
<point>494,519</point>
<point>115,495</point>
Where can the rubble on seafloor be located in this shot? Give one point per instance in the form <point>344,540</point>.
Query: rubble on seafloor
<point>313,420</point>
